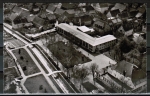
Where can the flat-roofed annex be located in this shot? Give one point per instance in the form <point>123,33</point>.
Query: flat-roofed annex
<point>85,37</point>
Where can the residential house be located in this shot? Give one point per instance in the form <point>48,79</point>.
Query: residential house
<point>133,13</point>
<point>89,9</point>
<point>101,27</point>
<point>81,4</point>
<point>69,13</point>
<point>43,14</point>
<point>101,7</point>
<point>17,10</point>
<point>38,22</point>
<point>67,6</point>
<point>83,20</point>
<point>51,8</point>
<point>24,14</point>
<point>63,19</point>
<point>51,18</point>
<point>36,10</point>
<point>123,15</point>
<point>15,18</point>
<point>112,13</point>
<point>59,11</point>
<point>137,38</point>
<point>10,6</point>
<point>29,6</point>
<point>141,10</point>
<point>126,29</point>
<point>30,17</point>
<point>117,22</point>
<point>86,19</point>
<point>119,6</point>
<point>17,26</point>
<point>85,40</point>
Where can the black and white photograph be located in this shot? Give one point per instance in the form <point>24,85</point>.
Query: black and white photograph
<point>74,48</point>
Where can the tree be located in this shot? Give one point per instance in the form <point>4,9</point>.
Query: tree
<point>21,57</point>
<point>12,88</point>
<point>125,45</point>
<point>117,53</point>
<point>19,51</point>
<point>40,87</point>
<point>142,46</point>
<point>82,74</point>
<point>93,68</point>
<point>67,64</point>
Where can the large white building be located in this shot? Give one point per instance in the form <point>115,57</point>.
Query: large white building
<point>85,40</point>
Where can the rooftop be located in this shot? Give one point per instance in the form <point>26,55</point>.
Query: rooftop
<point>86,38</point>
<point>84,29</point>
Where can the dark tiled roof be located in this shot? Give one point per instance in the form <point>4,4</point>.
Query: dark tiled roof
<point>123,15</point>
<point>51,8</point>
<point>42,14</point>
<point>39,4</point>
<point>142,9</point>
<point>51,16</point>
<point>13,16</point>
<point>38,21</point>
<point>133,13</point>
<point>17,9</point>
<point>86,18</point>
<point>114,12</point>
<point>59,11</point>
<point>30,18</point>
<point>88,8</point>
<point>127,27</point>
<point>24,13</point>
<point>10,6</point>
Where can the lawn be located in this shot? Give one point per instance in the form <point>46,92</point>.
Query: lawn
<point>64,52</point>
<point>8,60</point>
<point>89,86</point>
<point>33,85</point>
<point>27,64</point>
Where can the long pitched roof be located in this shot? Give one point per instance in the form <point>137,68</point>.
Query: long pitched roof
<point>85,37</point>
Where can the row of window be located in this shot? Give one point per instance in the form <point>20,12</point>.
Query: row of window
<point>107,44</point>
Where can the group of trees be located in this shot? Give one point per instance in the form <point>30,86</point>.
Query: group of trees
<point>130,51</point>
<point>81,72</point>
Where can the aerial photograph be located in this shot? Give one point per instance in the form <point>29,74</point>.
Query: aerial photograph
<point>74,48</point>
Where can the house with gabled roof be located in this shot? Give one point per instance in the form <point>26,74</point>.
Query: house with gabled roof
<point>59,11</point>
<point>126,29</point>
<point>119,6</point>
<point>113,13</point>
<point>51,8</point>
<point>38,22</point>
<point>141,10</point>
<point>17,10</point>
<point>101,27</point>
